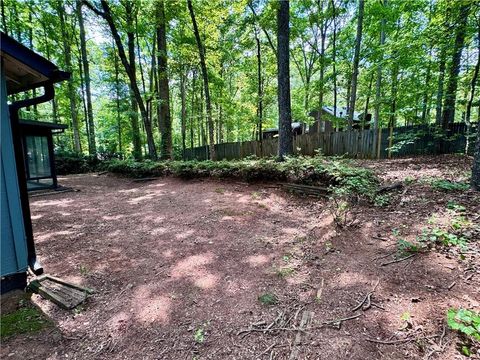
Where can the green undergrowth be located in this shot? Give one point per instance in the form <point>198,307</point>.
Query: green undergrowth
<point>26,319</point>
<point>467,323</point>
<point>339,173</point>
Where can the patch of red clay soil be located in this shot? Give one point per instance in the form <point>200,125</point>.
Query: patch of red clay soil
<point>178,266</point>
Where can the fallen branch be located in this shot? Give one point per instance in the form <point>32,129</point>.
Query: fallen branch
<point>387,188</point>
<point>398,260</point>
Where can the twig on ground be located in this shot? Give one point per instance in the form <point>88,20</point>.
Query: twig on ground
<point>451,285</point>
<point>398,260</point>
<point>384,256</point>
<point>380,238</point>
<point>248,331</point>
<point>367,299</point>
<point>390,342</point>
<point>470,276</point>
<point>378,306</point>
<point>338,322</point>
<point>268,349</point>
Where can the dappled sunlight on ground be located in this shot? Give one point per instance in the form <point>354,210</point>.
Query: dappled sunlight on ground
<point>169,257</point>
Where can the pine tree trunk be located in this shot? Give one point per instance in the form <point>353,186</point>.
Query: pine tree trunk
<point>285,138</point>
<point>70,85</point>
<point>203,65</point>
<point>356,60</point>
<point>86,73</point>
<point>448,115</point>
<point>164,119</point>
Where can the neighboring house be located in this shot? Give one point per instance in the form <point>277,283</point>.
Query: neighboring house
<point>21,69</point>
<point>336,118</point>
<point>298,128</point>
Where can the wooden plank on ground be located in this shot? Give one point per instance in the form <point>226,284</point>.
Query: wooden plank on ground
<point>307,318</point>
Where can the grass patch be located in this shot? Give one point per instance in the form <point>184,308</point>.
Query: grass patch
<point>268,299</point>
<point>27,319</point>
<point>285,272</point>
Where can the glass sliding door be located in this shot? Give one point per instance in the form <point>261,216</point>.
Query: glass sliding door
<point>38,162</point>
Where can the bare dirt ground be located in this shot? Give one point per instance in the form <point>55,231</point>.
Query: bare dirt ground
<point>178,266</point>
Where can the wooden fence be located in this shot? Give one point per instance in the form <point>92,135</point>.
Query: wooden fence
<point>396,142</point>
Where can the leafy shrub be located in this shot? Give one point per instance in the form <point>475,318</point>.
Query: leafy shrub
<point>448,239</point>
<point>137,169</point>
<point>335,172</point>
<point>467,323</point>
<point>447,185</point>
<point>74,163</point>
<point>405,247</point>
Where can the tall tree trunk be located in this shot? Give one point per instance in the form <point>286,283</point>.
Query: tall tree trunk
<point>473,83</point>
<point>448,115</point>
<point>393,103</point>
<point>378,86</point>
<point>129,66</point>
<point>71,86</point>
<point>259,91</point>
<point>192,111</point>
<point>183,118</point>
<point>47,50</point>
<point>285,138</point>
<point>440,85</point>
<point>323,36</point>
<point>334,56</point>
<point>4,18</point>
<point>117,97</point>
<point>82,87</point>
<point>322,73</point>
<point>30,41</point>
<point>367,102</point>
<point>86,73</point>
<point>426,94</point>
<point>137,145</point>
<point>164,120</point>
<point>203,65</point>
<point>476,160</point>
<point>356,60</point>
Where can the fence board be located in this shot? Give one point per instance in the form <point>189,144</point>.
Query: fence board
<point>353,143</point>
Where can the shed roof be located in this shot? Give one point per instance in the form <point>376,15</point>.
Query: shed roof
<point>25,69</point>
<point>42,125</point>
